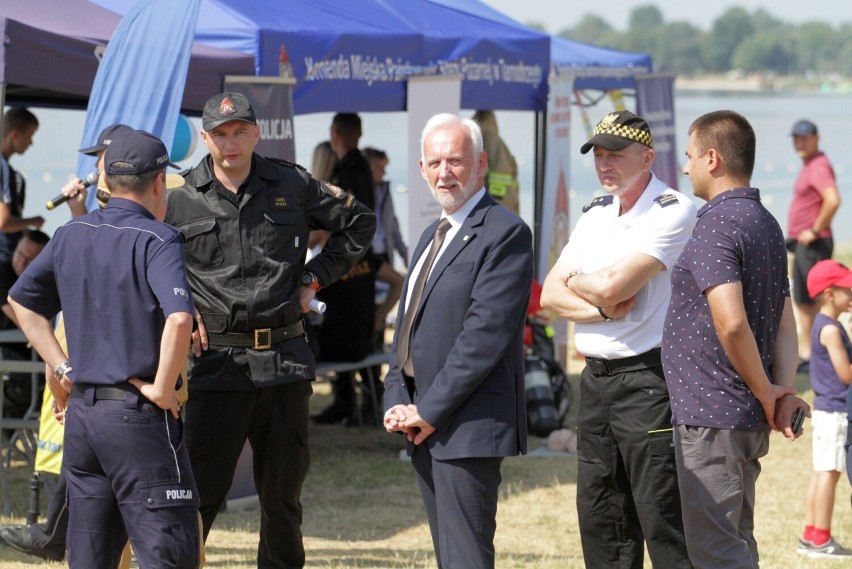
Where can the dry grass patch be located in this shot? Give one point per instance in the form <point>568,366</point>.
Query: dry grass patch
<point>363,510</point>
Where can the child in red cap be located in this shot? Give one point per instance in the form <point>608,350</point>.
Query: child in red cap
<point>829,285</point>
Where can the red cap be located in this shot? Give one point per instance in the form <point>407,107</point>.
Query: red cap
<point>826,274</point>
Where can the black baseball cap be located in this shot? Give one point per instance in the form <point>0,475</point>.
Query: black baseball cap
<point>803,127</point>
<point>224,107</point>
<point>619,130</point>
<point>105,138</point>
<point>138,152</point>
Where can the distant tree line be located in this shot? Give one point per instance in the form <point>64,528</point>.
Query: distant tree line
<point>753,42</point>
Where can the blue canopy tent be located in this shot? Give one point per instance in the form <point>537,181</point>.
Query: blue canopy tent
<point>595,67</point>
<point>357,56</point>
<point>50,53</point>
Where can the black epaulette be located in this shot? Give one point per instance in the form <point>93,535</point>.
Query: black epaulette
<point>283,162</point>
<point>600,200</point>
<point>665,200</point>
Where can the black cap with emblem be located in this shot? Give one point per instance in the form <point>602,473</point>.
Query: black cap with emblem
<point>224,107</point>
<point>619,130</point>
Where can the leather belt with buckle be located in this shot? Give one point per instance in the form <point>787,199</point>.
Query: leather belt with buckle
<point>260,339</point>
<point>102,392</point>
<point>647,360</point>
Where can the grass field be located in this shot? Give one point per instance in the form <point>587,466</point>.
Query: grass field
<point>362,508</point>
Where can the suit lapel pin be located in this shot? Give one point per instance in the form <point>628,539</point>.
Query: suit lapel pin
<point>466,237</point>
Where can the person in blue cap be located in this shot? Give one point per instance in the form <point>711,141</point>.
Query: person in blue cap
<point>119,276</point>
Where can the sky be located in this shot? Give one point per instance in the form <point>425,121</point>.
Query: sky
<point>557,15</point>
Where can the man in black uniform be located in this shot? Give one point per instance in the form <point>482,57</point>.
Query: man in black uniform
<point>119,276</point>
<point>347,329</point>
<point>246,220</point>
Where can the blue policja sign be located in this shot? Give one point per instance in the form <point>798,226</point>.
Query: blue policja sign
<point>272,101</point>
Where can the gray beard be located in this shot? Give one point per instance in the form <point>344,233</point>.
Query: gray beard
<point>451,203</point>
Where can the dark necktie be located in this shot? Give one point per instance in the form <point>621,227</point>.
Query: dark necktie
<point>403,351</point>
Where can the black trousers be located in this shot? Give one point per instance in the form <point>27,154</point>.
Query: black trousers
<point>460,497</point>
<point>275,422</point>
<point>51,534</point>
<point>805,257</point>
<point>128,476</point>
<point>627,489</point>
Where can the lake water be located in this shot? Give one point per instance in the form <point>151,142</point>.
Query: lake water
<point>53,158</point>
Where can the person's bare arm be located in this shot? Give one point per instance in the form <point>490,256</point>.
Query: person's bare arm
<point>619,281</point>
<point>786,348</point>
<point>783,371</point>
<point>830,205</point>
<point>388,275</point>
<point>559,296</point>
<point>174,346</point>
<point>10,314</point>
<point>731,322</point>
<point>11,223</point>
<point>830,338</point>
<point>39,332</point>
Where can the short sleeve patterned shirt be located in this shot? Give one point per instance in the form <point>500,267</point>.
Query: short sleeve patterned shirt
<point>736,239</point>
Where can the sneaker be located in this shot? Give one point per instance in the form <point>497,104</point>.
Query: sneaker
<point>830,549</point>
<point>805,547</point>
<point>804,366</point>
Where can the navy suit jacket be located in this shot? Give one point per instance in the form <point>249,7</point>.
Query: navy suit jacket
<point>467,338</point>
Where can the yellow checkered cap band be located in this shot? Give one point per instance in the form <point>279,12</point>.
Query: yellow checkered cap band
<point>625,131</point>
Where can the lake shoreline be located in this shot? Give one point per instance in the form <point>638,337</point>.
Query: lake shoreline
<point>737,83</point>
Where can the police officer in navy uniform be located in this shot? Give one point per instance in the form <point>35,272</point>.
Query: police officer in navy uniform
<point>246,220</point>
<point>119,276</point>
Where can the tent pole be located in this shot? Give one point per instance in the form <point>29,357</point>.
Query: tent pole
<point>538,193</point>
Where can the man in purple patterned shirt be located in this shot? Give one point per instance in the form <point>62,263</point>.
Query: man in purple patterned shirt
<point>729,345</point>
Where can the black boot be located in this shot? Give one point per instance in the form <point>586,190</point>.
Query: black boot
<point>344,401</point>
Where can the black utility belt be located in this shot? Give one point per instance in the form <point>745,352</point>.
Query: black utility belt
<point>647,360</point>
<point>105,392</point>
<point>261,339</point>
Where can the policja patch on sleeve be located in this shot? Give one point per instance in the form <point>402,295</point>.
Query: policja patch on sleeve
<point>337,193</point>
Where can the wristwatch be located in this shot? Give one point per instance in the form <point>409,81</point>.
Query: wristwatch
<point>309,279</point>
<point>60,370</point>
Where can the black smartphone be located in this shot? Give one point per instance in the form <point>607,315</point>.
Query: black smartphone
<point>798,419</point>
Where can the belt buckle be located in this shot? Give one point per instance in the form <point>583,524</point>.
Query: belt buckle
<point>599,366</point>
<point>259,344</point>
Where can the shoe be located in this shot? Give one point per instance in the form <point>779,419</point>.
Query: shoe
<point>830,550</point>
<point>803,367</point>
<point>805,547</point>
<point>20,538</point>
